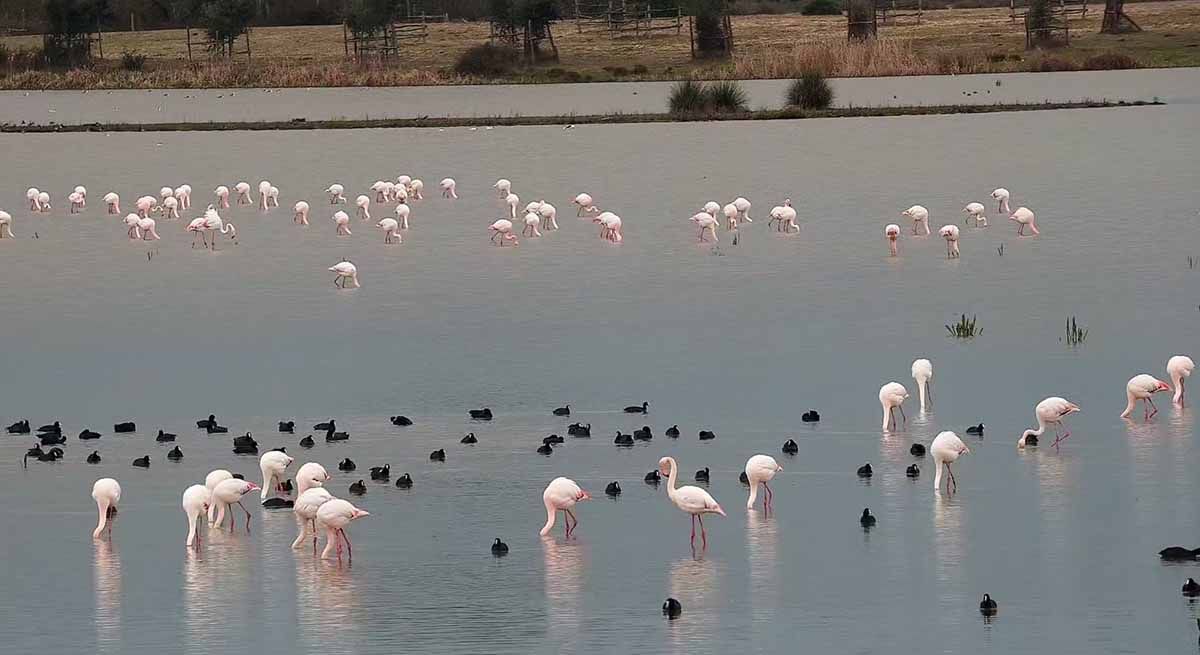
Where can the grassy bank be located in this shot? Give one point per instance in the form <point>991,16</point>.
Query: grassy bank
<point>948,41</point>
<point>791,113</point>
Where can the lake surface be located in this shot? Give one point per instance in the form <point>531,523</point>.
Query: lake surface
<point>738,340</point>
<point>1174,85</point>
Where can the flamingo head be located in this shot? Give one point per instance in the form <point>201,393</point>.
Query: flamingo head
<point>359,513</point>
<point>1161,386</point>
<point>583,495</point>
<point>664,465</point>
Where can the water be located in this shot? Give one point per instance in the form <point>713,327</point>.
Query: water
<point>1174,85</point>
<point>738,340</point>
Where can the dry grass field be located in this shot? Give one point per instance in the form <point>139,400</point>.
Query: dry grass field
<point>946,41</point>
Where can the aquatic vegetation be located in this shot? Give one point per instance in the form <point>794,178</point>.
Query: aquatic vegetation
<point>1075,335</point>
<point>965,328</point>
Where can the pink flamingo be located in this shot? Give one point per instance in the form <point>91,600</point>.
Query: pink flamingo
<point>892,232</point>
<point>731,217</point>
<point>5,224</point>
<point>1024,217</point>
<point>107,494</point>
<point>448,186</point>
<point>391,230</point>
<point>920,218</point>
<point>1051,411</point>
<point>946,449</point>
<point>513,200</point>
<point>415,188</point>
<point>144,205</point>
<point>707,223</point>
<point>336,193</point>
<point>343,223</point>
<point>743,207</point>
<point>214,224</point>
<point>610,226</point>
<point>195,503</point>
<point>892,396</point>
<point>343,271</point>
<point>761,469</point>
<point>402,213</point>
<point>364,207</point>
<point>305,508</point>
<point>184,194</point>
<point>33,195</point>
<point>1142,387</point>
<point>549,215</point>
<point>975,211</point>
<point>950,234</point>
<point>146,231</point>
<point>586,204</point>
<point>243,193</point>
<point>273,465</point>
<point>113,202</point>
<point>561,495</point>
<point>228,493</point>
<point>503,229</point>
<point>131,222</point>
<point>504,187</point>
<point>170,208</point>
<point>335,515</point>
<point>222,193</point>
<point>1179,368</point>
<point>44,202</point>
<point>1001,195</point>
<point>532,221</point>
<point>77,202</point>
<point>300,217</point>
<point>693,500</point>
<point>786,217</point>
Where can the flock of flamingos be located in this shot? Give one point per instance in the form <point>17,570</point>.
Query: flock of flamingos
<point>538,215</point>
<point>315,507</point>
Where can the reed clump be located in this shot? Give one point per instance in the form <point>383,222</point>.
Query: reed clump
<point>965,328</point>
<point>1075,335</point>
<point>870,58</point>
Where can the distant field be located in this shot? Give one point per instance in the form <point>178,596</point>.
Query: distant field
<point>947,41</point>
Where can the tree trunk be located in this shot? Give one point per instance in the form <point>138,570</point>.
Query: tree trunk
<point>860,19</point>
<point>1116,21</point>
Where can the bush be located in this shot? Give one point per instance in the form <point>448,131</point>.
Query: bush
<point>726,96</point>
<point>710,33</point>
<point>639,69</point>
<point>1053,65</point>
<point>132,61</point>
<point>688,97</point>
<point>811,91</point>
<point>486,60</point>
<point>823,8</point>
<point>226,20</point>
<point>1109,61</point>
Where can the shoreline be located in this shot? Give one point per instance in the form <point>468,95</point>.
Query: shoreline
<point>563,120</point>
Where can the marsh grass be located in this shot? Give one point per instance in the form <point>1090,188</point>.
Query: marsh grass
<point>965,328</point>
<point>1075,335</point>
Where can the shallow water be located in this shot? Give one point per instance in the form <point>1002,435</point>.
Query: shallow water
<point>738,340</point>
<point>1174,85</point>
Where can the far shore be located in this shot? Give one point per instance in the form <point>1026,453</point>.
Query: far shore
<point>567,121</point>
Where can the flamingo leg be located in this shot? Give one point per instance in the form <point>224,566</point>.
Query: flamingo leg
<point>693,540</point>
<point>902,415</point>
<point>247,516</point>
<point>573,519</point>
<point>767,501</point>
<point>952,480</point>
<point>703,533</point>
<point>349,549</point>
<point>1151,401</point>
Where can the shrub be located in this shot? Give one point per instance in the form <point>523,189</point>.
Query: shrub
<point>226,20</point>
<point>688,97</point>
<point>1109,61</point>
<point>710,33</point>
<point>726,96</point>
<point>486,60</point>
<point>823,8</point>
<point>639,69</point>
<point>132,61</point>
<point>1053,65</point>
<point>811,91</point>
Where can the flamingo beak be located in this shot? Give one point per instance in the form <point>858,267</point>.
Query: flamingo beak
<point>359,513</point>
<point>1163,386</point>
<point>253,487</point>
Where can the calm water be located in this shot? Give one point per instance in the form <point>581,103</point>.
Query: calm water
<point>738,341</point>
<point>1174,85</point>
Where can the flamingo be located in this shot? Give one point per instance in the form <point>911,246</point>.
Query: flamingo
<point>196,227</point>
<point>146,231</point>
<point>504,187</point>
<point>975,210</point>
<point>404,180</point>
<point>892,396</point>
<point>610,226</point>
<point>131,222</point>
<point>5,224</point>
<point>402,213</point>
<point>785,215</point>
<point>273,465</point>
<point>1142,387</point>
<point>364,207</point>
<point>761,469</point>
<point>391,230</point>
<point>196,499</point>
<point>336,193</point>
<point>503,228</point>
<point>731,217</point>
<point>1051,411</point>
<point>1178,367</point>
<point>184,193</point>
<point>448,185</point>
<point>82,191</point>
<point>76,200</point>
<point>892,232</point>
<point>228,493</point>
<point>243,193</point>
<point>144,205</point>
<point>946,449</point>
<point>335,515</point>
<point>399,192</point>
<point>170,208</point>
<point>213,224</point>
<point>273,197</point>
<point>693,500</point>
<point>743,207</point>
<point>920,218</point>
<point>707,224</point>
<point>107,494</point>
<point>300,217</point>
<point>33,195</point>
<point>310,475</point>
<point>113,202</point>
<point>512,200</point>
<point>415,188</point>
<point>222,193</point>
<point>950,234</point>
<point>1023,216</point>
<point>712,208</point>
<point>344,270</point>
<point>549,215</point>
<point>305,508</point>
<point>922,372</point>
<point>44,202</point>
<point>382,193</point>
<point>342,219</point>
<point>1001,195</point>
<point>532,220</point>
<point>586,204</point>
<point>561,495</point>
<point>166,192</point>
<point>215,477</point>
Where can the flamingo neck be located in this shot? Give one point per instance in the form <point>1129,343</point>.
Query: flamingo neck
<point>923,387</point>
<point>887,415</point>
<point>937,476</point>
<point>192,516</point>
<point>753,494</point>
<point>673,470</point>
<point>551,515</point>
<point>1129,406</point>
<point>1177,381</point>
<point>102,522</point>
<point>1033,433</point>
